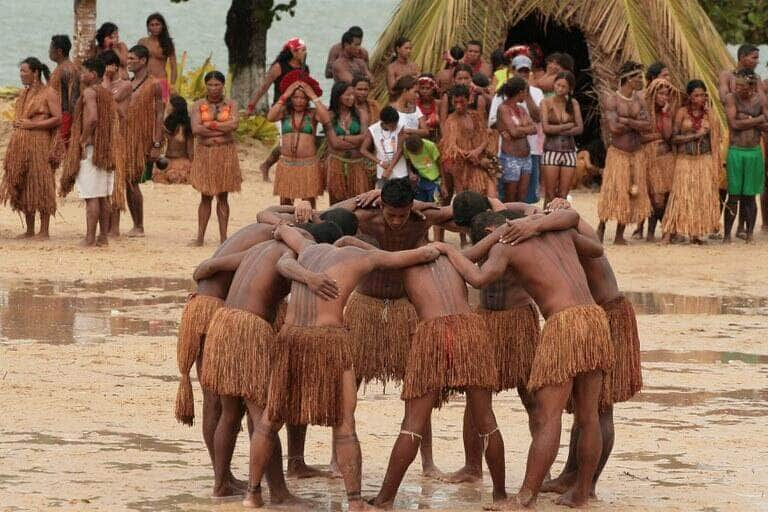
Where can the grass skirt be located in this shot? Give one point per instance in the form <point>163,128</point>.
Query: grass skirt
<point>306,383</point>
<point>661,170</point>
<point>347,177</point>
<point>29,182</point>
<point>236,355</point>
<point>694,204</point>
<point>616,202</point>
<point>298,178</point>
<point>626,377</point>
<point>282,309</point>
<point>195,320</point>
<point>573,341</point>
<point>381,331</point>
<point>515,334</point>
<point>450,353</point>
<point>215,170</point>
<point>177,172</point>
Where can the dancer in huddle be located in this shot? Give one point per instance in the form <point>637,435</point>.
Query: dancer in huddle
<point>574,350</point>
<point>298,171</point>
<point>693,209</point>
<point>401,64</point>
<point>29,179</point>
<point>179,144</point>
<point>240,340</point>
<point>624,192</point>
<point>65,80</point>
<point>313,375</point>
<point>348,172</point>
<point>162,52</point>
<point>215,169</point>
<point>90,161</point>
<point>108,39</point>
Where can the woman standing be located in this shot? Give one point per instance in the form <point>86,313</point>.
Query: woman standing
<point>298,173</point>
<point>661,102</point>
<point>29,183</point>
<point>401,64</point>
<point>428,103</point>
<point>179,145</point>
<point>405,94</point>
<point>462,75</point>
<point>161,52</point>
<point>108,38</point>
<point>694,208</point>
<point>348,172</point>
<point>364,104</point>
<point>561,121</point>
<point>215,167</point>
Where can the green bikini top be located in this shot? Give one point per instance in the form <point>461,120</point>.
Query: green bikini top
<point>306,125</point>
<point>353,129</point>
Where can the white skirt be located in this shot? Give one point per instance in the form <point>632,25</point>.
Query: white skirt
<point>92,182</point>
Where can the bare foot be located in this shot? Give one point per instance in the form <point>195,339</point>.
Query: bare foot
<point>620,241</point>
<point>25,235</point>
<point>431,471</point>
<point>298,469</point>
<point>511,503</point>
<point>464,475</point>
<point>42,236</point>
<point>573,499</point>
<point>362,505</point>
<point>288,500</point>
<point>136,233</point>
<point>114,233</point>
<point>239,484</point>
<point>253,500</point>
<point>87,243</point>
<point>749,238</point>
<point>560,484</point>
<point>697,241</point>
<point>333,469</point>
<point>637,234</point>
<point>264,172</point>
<point>715,236</point>
<point>195,243</point>
<point>102,240</point>
<point>650,238</point>
<point>226,490</point>
<point>727,239</point>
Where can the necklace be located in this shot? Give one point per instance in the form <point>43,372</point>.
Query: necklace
<point>296,133</point>
<point>140,83</point>
<point>624,97</point>
<point>696,119</point>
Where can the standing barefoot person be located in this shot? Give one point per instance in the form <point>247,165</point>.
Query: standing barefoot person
<point>429,104</point>
<point>405,95</point>
<point>90,161</point>
<point>624,192</point>
<point>515,125</point>
<point>561,121</point>
<point>121,91</point>
<point>661,101</point>
<point>693,209</point>
<point>162,52</point>
<point>291,58</point>
<point>179,144</point>
<point>298,172</point>
<point>365,105</point>
<point>215,168</point>
<point>65,80</point>
<point>108,39</point>
<point>350,63</point>
<point>401,64</point>
<point>349,173</point>
<point>143,137</point>
<point>444,77</point>
<point>473,57</point>
<point>29,181</point>
<point>336,49</point>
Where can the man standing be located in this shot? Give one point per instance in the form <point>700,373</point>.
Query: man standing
<point>473,57</point>
<point>90,161</point>
<point>747,115</point>
<point>624,192</point>
<point>144,133</point>
<point>335,51</point>
<point>350,63</point>
<point>65,81</point>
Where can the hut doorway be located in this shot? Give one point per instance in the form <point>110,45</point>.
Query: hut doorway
<point>551,37</point>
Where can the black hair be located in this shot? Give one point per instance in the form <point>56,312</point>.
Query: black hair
<point>553,57</point>
<point>140,51</point>
<point>105,30</point>
<point>347,38</point>
<point>356,31</point>
<point>389,114</point>
<point>498,59</point>
<point>474,42</point>
<point>214,75</point>
<point>404,83</point>
<point>568,77</point>
<point>413,143</point>
<point>462,67</point>
<point>654,70</point>
<point>323,232</point>
<point>338,89</point>
<point>456,52</point>
<point>566,62</point>
<point>628,67</point>
<point>466,205</point>
<point>693,85</point>
<point>345,219</point>
<point>94,64</point>
<point>360,78</point>
<point>513,86</point>
<point>399,42</point>
<point>35,65</point>
<point>746,73</point>
<point>178,116</point>
<point>459,91</point>
<point>62,42</point>
<point>110,57</point>
<point>745,50</point>
<point>166,41</point>
<point>397,193</point>
<point>480,80</point>
<point>482,221</point>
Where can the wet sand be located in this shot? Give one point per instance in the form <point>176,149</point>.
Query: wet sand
<point>88,378</point>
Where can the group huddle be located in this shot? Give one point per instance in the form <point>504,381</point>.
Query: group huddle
<point>293,312</point>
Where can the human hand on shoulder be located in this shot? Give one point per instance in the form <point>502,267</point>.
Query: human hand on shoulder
<point>558,203</point>
<point>323,286</point>
<point>519,230</point>
<point>429,253</point>
<point>302,211</point>
<point>368,199</point>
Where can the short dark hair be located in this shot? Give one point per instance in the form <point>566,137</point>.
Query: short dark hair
<point>140,51</point>
<point>628,67</point>
<point>397,193</point>
<point>389,115</point>
<point>214,75</point>
<point>94,64</point>
<point>745,50</point>
<point>474,42</point>
<point>462,67</point>
<point>110,57</point>
<point>466,205</point>
<point>322,232</point>
<point>347,38</point>
<point>553,57</point>
<point>345,219</point>
<point>356,31</point>
<point>513,86</point>
<point>62,42</point>
<point>459,91</point>
<point>480,80</point>
<point>566,61</point>
<point>654,70</point>
<point>484,220</point>
<point>693,85</point>
<point>456,52</point>
<point>413,143</point>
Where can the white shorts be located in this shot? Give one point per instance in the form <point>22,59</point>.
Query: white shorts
<point>91,181</point>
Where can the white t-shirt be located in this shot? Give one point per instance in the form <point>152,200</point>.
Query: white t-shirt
<point>410,120</point>
<point>536,142</point>
<point>385,143</point>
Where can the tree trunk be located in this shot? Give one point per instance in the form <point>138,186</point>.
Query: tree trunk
<point>246,39</point>
<point>85,28</point>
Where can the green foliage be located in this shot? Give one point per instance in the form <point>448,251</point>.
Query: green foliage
<point>739,21</point>
<point>257,127</point>
<point>190,85</point>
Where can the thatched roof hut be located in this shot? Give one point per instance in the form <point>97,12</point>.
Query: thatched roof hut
<point>599,34</point>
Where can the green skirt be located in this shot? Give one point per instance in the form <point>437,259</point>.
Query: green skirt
<point>746,171</point>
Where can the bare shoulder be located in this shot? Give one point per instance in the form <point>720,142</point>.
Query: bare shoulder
<point>89,93</point>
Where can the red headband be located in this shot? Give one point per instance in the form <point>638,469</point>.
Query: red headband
<point>294,43</point>
<point>518,50</point>
<point>425,80</point>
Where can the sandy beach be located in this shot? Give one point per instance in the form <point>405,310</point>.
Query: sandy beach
<point>88,376</point>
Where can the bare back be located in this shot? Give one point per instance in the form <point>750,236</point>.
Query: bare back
<point>506,293</point>
<point>436,289</point>
<point>601,279</point>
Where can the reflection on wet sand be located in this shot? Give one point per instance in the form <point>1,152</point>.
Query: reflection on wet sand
<point>653,303</point>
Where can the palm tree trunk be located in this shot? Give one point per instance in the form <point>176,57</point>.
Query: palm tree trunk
<point>85,28</point>
<point>246,39</point>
